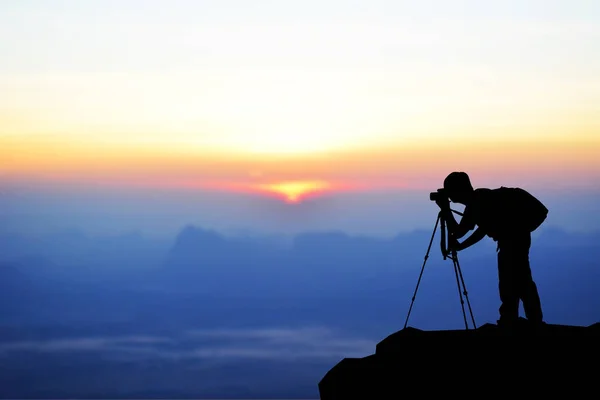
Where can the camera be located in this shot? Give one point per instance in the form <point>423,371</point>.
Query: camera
<point>440,194</point>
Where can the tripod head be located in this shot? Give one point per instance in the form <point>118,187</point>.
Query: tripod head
<point>447,250</point>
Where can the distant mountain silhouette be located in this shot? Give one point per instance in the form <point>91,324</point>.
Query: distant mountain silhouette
<point>457,363</point>
<point>77,249</point>
<point>337,276</point>
<point>316,262</point>
<point>335,264</point>
<point>557,237</point>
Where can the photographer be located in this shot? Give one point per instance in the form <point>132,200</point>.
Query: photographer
<point>508,216</point>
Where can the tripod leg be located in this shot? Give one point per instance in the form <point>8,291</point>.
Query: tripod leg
<point>455,257</point>
<point>422,268</point>
<point>462,302</point>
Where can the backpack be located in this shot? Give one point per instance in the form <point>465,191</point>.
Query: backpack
<point>519,209</point>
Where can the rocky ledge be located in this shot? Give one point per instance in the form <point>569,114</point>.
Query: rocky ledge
<point>526,361</point>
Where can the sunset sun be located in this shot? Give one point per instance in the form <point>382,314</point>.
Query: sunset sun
<point>294,191</point>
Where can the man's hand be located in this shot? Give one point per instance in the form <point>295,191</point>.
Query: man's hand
<point>443,203</point>
<point>453,244</point>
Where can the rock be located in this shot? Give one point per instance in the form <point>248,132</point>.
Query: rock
<point>487,361</point>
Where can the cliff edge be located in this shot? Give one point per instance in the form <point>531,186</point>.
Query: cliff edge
<point>488,361</point>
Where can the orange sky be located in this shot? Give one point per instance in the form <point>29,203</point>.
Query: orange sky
<point>562,162</point>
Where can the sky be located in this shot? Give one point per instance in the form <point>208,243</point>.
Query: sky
<point>283,115</point>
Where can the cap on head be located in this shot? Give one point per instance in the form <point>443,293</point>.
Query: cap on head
<point>457,182</point>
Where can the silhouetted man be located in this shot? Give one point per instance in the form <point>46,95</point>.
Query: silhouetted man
<point>508,216</point>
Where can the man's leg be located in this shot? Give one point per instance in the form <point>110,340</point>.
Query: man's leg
<point>527,288</point>
<point>507,285</point>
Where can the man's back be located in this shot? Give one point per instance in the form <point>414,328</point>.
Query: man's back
<point>505,211</point>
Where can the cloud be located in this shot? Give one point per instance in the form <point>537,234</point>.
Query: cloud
<point>83,344</point>
<point>277,344</point>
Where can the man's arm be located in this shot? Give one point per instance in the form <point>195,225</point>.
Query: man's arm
<point>471,240</point>
<point>456,229</point>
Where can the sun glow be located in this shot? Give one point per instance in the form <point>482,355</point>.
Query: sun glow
<point>295,191</point>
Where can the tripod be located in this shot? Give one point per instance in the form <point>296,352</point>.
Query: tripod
<point>446,253</point>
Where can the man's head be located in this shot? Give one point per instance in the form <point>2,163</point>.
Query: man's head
<point>458,186</point>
